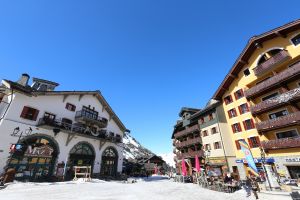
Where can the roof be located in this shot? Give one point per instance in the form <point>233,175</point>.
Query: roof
<point>27,90</point>
<point>44,81</point>
<point>251,46</point>
<point>209,106</point>
<point>186,109</point>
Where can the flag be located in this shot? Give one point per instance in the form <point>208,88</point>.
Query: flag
<point>248,155</point>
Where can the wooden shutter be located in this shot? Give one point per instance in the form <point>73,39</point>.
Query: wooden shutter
<point>252,123</point>
<point>258,141</point>
<point>250,142</point>
<point>245,125</point>
<point>35,115</point>
<point>233,130</point>
<point>247,107</point>
<point>240,110</point>
<point>238,146</point>
<point>240,128</point>
<point>229,114</point>
<point>236,96</point>
<point>242,92</point>
<point>24,112</point>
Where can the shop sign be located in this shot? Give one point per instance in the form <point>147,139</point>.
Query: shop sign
<point>42,151</point>
<point>256,160</point>
<point>292,160</point>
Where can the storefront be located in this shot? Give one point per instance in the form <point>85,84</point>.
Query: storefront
<point>288,166</point>
<point>109,162</point>
<point>34,158</point>
<point>217,166</point>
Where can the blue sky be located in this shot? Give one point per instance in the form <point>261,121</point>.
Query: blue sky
<point>148,58</point>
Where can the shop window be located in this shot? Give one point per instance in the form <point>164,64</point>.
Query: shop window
<point>217,145</point>
<point>278,114</point>
<point>29,113</point>
<point>296,40</point>
<point>214,130</point>
<point>287,134</point>
<point>205,133</point>
<point>248,124</point>
<point>70,107</point>
<point>236,127</point>
<point>228,99</point>
<point>239,94</point>
<point>244,108</point>
<point>247,72</point>
<point>270,96</point>
<point>237,144</point>
<point>232,113</point>
<point>254,142</point>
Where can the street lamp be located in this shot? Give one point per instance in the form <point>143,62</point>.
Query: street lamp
<point>207,155</point>
<point>263,161</point>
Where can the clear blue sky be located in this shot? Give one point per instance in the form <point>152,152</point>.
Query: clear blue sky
<point>148,58</point>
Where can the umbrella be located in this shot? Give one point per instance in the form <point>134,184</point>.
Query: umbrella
<point>183,168</point>
<point>197,164</point>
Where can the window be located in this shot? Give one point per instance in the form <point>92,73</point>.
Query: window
<point>29,113</point>
<point>210,117</point>
<point>248,124</point>
<point>278,114</point>
<point>204,133</point>
<point>232,113</point>
<point>214,130</point>
<point>49,116</point>
<point>247,72</point>
<point>254,142</point>
<point>228,99</point>
<point>88,112</point>
<point>239,94</point>
<point>270,96</point>
<point>237,144</point>
<point>243,108</point>
<point>287,134</point>
<point>70,107</point>
<point>296,40</point>
<point>207,147</point>
<point>217,145</point>
<point>201,120</point>
<point>236,127</point>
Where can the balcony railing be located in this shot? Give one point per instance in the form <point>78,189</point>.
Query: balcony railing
<point>275,102</point>
<point>281,143</point>
<point>79,129</point>
<point>288,74</point>
<point>277,59</point>
<point>190,154</point>
<point>280,122</point>
<point>188,142</point>
<point>187,131</point>
<point>85,116</point>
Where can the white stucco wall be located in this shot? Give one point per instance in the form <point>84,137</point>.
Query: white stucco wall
<point>55,105</point>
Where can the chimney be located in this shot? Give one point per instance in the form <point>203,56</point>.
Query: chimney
<point>23,80</point>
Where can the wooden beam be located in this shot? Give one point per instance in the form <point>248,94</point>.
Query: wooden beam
<point>65,97</point>
<point>101,144</point>
<point>280,34</point>
<point>232,75</point>
<point>244,62</point>
<point>103,108</point>
<point>80,96</point>
<point>69,138</point>
<point>258,45</point>
<point>110,117</point>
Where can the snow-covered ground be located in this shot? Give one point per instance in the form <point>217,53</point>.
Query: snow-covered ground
<point>155,188</point>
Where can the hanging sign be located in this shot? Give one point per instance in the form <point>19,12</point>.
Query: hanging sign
<point>42,151</point>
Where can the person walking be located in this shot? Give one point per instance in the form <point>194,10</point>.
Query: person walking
<point>254,186</point>
<point>248,186</point>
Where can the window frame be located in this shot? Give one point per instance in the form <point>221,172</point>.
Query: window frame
<point>25,113</point>
<point>251,144</point>
<point>219,145</point>
<point>230,115</point>
<point>236,94</point>
<point>286,131</point>
<point>237,144</point>
<point>73,107</point>
<point>225,99</point>
<point>251,122</point>
<point>277,111</point>
<point>262,98</point>
<point>239,127</point>
<point>204,135</point>
<point>294,36</point>
<point>248,71</point>
<point>240,108</point>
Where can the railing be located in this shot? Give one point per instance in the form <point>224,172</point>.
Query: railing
<point>278,58</point>
<point>190,154</point>
<point>188,142</point>
<point>276,101</point>
<point>280,122</point>
<point>285,75</point>
<point>281,143</point>
<point>81,130</point>
<point>187,131</point>
<point>85,115</point>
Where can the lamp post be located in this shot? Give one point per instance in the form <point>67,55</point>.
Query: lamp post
<point>263,161</point>
<point>207,155</point>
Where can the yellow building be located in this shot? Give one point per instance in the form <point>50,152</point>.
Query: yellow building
<point>261,97</point>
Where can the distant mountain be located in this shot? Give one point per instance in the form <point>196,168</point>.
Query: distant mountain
<point>168,158</point>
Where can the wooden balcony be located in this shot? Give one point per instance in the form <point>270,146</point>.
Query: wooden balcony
<point>280,122</point>
<point>281,143</point>
<point>291,73</point>
<point>77,129</point>
<point>83,116</point>
<point>187,131</point>
<point>283,99</point>
<point>189,142</point>
<point>272,62</point>
<point>190,154</point>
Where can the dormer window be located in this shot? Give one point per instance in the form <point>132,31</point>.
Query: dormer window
<point>296,40</point>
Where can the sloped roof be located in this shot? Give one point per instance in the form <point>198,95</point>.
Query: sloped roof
<point>251,46</point>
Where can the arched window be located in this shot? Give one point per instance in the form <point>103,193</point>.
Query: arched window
<point>109,163</point>
<point>296,40</point>
<point>268,55</point>
<point>82,149</point>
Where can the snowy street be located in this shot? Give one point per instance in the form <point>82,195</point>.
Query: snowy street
<point>154,188</point>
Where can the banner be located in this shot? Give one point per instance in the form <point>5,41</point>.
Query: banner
<point>248,155</point>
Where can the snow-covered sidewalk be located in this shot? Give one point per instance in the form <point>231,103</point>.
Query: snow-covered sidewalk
<point>154,188</point>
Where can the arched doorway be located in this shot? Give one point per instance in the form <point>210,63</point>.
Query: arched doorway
<point>34,158</point>
<point>109,164</point>
<point>82,154</point>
